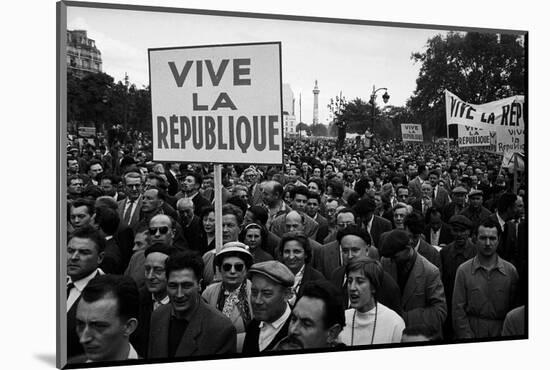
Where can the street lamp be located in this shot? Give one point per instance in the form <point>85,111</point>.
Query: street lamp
<point>385,98</point>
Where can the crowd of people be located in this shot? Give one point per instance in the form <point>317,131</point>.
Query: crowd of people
<point>342,245</point>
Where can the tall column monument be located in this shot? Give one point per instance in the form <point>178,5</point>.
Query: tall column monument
<point>316,104</point>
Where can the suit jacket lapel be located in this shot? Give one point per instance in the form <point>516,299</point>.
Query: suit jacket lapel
<point>414,280</point>
<point>188,343</point>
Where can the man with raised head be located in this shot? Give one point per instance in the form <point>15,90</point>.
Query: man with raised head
<point>317,318</point>
<point>272,282</point>
<point>190,185</point>
<point>106,316</point>
<point>85,250</point>
<point>188,326</point>
<point>484,288</point>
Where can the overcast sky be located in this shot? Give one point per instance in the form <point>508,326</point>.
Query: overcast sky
<point>342,57</point>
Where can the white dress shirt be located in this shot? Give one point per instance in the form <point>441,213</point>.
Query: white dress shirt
<point>79,286</point>
<point>268,331</point>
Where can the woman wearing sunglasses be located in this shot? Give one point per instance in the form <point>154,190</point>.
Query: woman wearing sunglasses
<point>254,235</point>
<point>295,253</point>
<point>231,296</point>
<point>368,321</point>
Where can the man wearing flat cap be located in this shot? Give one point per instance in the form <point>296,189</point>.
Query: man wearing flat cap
<point>453,255</point>
<point>457,205</point>
<point>475,210</point>
<point>272,282</point>
<point>422,295</point>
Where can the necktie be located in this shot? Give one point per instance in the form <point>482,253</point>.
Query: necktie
<point>70,286</point>
<point>128,213</point>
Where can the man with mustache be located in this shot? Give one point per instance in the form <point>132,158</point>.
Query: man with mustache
<point>317,319</point>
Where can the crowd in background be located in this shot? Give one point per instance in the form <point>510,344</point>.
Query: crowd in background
<point>343,245</point>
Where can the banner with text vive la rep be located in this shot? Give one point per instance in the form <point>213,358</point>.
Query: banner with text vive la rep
<point>503,118</point>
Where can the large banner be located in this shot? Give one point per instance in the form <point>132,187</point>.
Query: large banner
<point>411,132</point>
<point>504,117</point>
<point>220,104</point>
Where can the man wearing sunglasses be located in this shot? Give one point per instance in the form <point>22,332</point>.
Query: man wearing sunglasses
<point>161,230</point>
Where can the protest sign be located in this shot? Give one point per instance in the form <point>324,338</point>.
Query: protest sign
<point>469,136</point>
<point>411,132</point>
<point>505,117</point>
<point>220,104</point>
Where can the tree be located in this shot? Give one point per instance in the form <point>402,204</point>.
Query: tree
<point>319,130</point>
<point>301,126</point>
<point>478,67</point>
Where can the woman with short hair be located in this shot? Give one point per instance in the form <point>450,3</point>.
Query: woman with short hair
<point>368,321</point>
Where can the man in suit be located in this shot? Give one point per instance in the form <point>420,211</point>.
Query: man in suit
<point>415,225</point>
<point>330,257</point>
<point>354,243</point>
<point>190,184</point>
<point>415,185</point>
<point>422,294</point>
<point>172,172</point>
<point>271,288</point>
<point>191,225</point>
<point>153,295</point>
<point>109,185</point>
<point>440,194</point>
<point>437,233</point>
<point>154,203</point>
<point>312,210</point>
<point>85,251</point>
<point>188,326</point>
<point>251,177</point>
<point>373,224</point>
<point>426,201</point>
<point>507,210</point>
<point>107,315</point>
<point>129,209</point>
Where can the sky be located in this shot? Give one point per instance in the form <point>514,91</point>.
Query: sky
<point>341,57</point>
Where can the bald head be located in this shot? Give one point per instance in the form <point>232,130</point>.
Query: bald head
<point>272,193</point>
<point>161,229</point>
<point>294,221</point>
<point>185,209</point>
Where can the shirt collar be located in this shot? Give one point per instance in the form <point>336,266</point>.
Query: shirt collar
<point>163,301</point>
<point>500,221</point>
<point>417,245</point>
<point>81,284</point>
<point>280,321</point>
<point>498,266</point>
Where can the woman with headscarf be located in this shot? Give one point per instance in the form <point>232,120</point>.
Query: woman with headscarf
<point>255,236</point>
